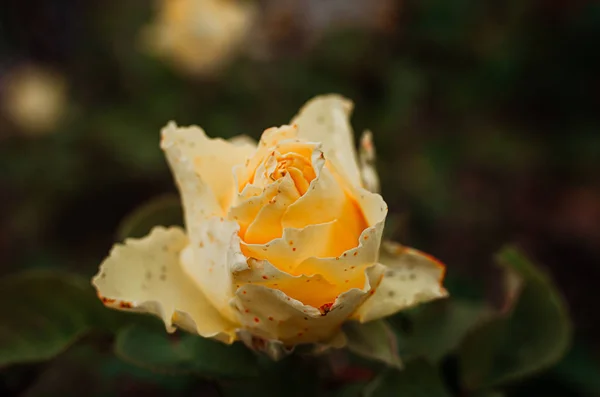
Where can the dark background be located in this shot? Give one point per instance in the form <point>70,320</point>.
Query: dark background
<point>485,114</point>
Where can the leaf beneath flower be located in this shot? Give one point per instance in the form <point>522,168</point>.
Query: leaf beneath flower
<point>418,379</point>
<point>373,340</point>
<point>436,328</point>
<point>532,333</point>
<point>154,349</point>
<point>45,312</point>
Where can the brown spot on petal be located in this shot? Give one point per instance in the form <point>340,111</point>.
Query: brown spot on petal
<point>107,300</point>
<point>270,318</point>
<point>265,277</point>
<point>256,320</point>
<point>355,253</point>
<point>125,305</point>
<point>326,308</point>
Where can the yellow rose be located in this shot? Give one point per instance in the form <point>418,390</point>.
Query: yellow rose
<point>198,36</point>
<point>282,242</point>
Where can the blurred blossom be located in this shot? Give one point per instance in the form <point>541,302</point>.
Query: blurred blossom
<point>198,36</point>
<point>34,99</point>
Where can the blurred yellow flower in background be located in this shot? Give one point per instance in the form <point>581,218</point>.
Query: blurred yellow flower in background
<point>282,239</point>
<point>198,36</point>
<point>34,99</point>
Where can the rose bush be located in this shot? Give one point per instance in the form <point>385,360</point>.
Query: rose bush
<point>282,241</point>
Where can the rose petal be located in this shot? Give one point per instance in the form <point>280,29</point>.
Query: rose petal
<point>294,246</point>
<point>325,119</point>
<point>310,290</point>
<point>347,269</point>
<point>267,225</point>
<point>247,211</point>
<point>244,173</point>
<point>243,140</point>
<point>368,171</point>
<point>294,258</point>
<point>145,275</point>
<point>271,314</point>
<point>212,160</point>
<point>211,257</point>
<point>411,277</point>
<point>325,201</point>
<point>257,172</point>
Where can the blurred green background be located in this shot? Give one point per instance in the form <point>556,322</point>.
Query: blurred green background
<point>485,114</point>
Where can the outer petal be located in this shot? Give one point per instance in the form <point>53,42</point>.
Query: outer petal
<point>271,314</point>
<point>326,119</point>
<point>411,277</point>
<point>368,172</point>
<point>212,160</point>
<point>145,275</point>
<point>243,140</point>
<point>214,243</point>
<point>211,257</point>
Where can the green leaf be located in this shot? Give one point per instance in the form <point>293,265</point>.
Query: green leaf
<point>161,211</point>
<point>44,313</point>
<point>373,340</point>
<point>93,371</point>
<point>532,333</point>
<point>435,329</point>
<point>418,379</point>
<point>156,350</point>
